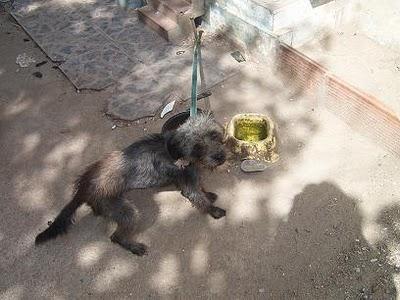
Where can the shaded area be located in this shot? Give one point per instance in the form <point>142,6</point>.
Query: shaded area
<point>321,241</point>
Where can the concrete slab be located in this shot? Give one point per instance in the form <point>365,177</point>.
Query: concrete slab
<point>144,90</point>
<point>259,24</point>
<point>98,68</point>
<point>100,45</point>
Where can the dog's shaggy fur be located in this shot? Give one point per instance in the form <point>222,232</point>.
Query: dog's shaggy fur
<point>149,162</point>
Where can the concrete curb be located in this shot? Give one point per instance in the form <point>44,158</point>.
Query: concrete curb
<point>361,111</point>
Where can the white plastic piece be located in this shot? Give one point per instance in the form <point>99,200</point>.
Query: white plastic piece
<point>251,165</point>
<point>167,109</point>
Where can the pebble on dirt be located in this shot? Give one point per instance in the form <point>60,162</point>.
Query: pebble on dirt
<point>41,63</point>
<point>37,74</point>
<point>24,60</point>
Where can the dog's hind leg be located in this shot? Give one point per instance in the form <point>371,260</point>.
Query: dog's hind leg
<point>123,213</point>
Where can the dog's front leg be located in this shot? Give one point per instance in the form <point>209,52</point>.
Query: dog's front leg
<point>189,184</point>
<point>212,197</point>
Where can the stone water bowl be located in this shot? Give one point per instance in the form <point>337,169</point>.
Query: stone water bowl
<point>251,136</point>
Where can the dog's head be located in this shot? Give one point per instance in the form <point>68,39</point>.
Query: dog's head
<point>200,140</point>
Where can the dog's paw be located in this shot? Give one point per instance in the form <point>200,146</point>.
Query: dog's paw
<point>212,197</point>
<point>216,212</point>
<point>138,249</point>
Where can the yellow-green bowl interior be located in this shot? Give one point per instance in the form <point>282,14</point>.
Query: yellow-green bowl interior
<point>250,129</point>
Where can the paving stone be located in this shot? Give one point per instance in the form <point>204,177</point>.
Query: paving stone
<point>100,44</point>
<point>98,69</point>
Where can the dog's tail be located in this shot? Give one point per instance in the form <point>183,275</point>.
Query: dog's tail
<point>62,221</point>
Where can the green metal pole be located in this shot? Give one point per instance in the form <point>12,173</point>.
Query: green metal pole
<point>193,106</point>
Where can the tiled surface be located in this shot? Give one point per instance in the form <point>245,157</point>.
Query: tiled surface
<point>98,68</point>
<point>100,44</point>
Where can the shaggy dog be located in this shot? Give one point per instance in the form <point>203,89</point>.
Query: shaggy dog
<point>149,162</point>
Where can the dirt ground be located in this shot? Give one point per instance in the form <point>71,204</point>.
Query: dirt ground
<point>322,223</point>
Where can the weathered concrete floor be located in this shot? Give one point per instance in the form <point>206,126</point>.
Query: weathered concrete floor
<point>320,224</point>
<point>100,45</point>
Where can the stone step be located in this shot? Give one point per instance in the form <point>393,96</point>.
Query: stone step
<point>171,8</point>
<point>260,23</point>
<point>164,26</point>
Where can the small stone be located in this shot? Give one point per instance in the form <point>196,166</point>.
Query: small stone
<point>358,270</point>
<point>374,260</point>
<point>113,127</point>
<point>65,130</point>
<point>41,63</point>
<point>261,290</point>
<point>24,60</point>
<point>238,56</point>
<point>37,74</point>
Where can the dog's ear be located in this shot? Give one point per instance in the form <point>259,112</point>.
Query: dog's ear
<point>198,150</point>
<point>173,146</point>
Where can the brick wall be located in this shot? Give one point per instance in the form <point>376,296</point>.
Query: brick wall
<point>359,110</point>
